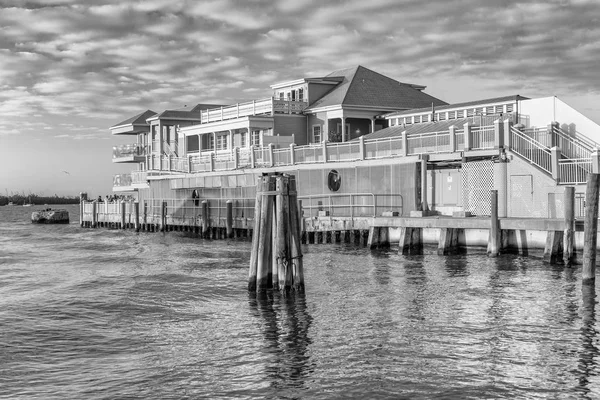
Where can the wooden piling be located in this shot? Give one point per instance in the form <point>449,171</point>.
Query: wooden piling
<point>411,241</point>
<point>276,259</point>
<point>296,221</point>
<point>94,214</point>
<point>123,208</point>
<point>205,224</point>
<point>568,236</point>
<point>263,272</point>
<point>590,234</point>
<point>136,208</point>
<point>448,242</point>
<point>493,248</point>
<point>163,217</point>
<point>229,220</point>
<point>553,251</point>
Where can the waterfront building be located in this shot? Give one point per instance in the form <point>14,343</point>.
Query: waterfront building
<point>360,144</point>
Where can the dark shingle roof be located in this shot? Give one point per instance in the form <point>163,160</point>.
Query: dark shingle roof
<point>186,113</point>
<point>362,87</point>
<point>139,119</point>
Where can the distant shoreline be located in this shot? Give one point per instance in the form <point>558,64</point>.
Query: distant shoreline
<point>19,200</point>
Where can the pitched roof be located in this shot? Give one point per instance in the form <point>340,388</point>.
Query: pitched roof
<point>397,130</point>
<point>139,119</point>
<point>362,87</point>
<point>459,105</point>
<point>185,113</point>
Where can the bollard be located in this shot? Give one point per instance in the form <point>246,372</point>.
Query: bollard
<point>493,248</point>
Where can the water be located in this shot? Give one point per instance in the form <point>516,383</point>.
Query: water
<point>106,314</point>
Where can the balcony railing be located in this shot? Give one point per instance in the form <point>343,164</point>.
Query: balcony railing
<point>122,180</point>
<point>129,150</point>
<point>267,106</point>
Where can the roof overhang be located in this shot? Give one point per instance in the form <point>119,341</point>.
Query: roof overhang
<point>261,122</point>
<point>129,129</point>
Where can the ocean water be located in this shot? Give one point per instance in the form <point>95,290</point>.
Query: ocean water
<point>111,314</point>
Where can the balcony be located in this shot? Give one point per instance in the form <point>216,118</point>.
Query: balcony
<point>268,106</point>
<point>129,153</point>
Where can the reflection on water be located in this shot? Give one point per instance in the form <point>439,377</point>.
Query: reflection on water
<point>285,324</point>
<point>100,314</point>
<point>589,337</point>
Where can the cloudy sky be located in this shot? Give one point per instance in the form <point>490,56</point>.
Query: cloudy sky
<point>69,69</point>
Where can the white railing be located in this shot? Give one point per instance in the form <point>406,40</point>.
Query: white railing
<point>122,180</point>
<point>430,142</point>
<point>530,149</point>
<point>282,157</point>
<point>482,137</point>
<point>345,151</point>
<point>256,107</point>
<point>129,150</point>
<point>309,154</point>
<point>385,147</point>
<point>351,204</point>
<point>574,171</point>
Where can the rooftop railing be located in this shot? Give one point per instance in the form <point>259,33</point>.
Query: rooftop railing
<point>129,150</point>
<point>268,106</point>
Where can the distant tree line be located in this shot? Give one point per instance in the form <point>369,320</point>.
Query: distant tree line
<point>20,199</point>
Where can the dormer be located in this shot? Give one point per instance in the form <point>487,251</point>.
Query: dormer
<point>307,90</point>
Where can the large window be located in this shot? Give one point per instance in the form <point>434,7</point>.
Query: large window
<point>242,139</point>
<point>317,137</point>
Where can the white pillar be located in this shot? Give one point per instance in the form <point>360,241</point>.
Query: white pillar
<point>343,129</point>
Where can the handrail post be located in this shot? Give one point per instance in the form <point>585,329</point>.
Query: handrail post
<point>236,157</point>
<point>252,157</point>
<point>169,162</point>
<point>271,155</point>
<point>292,153</point>
<point>324,151</point>
<point>212,162</point>
<point>498,134</point>
<point>554,157</point>
<point>468,137</point>
<point>452,134</point>
<point>596,161</point>
<point>361,147</point>
<point>189,164</point>
<point>508,134</point>
<point>404,144</point>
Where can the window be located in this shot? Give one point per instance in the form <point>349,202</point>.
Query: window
<point>281,95</point>
<point>460,114</point>
<point>316,133</point>
<point>255,138</point>
<point>222,142</point>
<point>211,143</point>
<point>300,94</point>
<point>294,95</point>
<point>242,139</point>
<point>509,108</point>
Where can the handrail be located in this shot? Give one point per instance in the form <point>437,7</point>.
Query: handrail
<point>354,209</point>
<point>531,150</point>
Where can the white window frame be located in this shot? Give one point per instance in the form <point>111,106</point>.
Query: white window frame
<point>255,137</point>
<point>320,134</point>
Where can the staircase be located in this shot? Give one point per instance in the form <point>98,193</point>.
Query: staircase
<point>571,161</point>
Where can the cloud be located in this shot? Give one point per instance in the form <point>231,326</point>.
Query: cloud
<point>74,59</point>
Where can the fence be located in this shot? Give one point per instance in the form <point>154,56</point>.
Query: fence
<point>351,204</point>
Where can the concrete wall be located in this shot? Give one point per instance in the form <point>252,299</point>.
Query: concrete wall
<point>531,193</point>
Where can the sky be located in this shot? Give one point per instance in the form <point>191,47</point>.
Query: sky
<point>70,69</point>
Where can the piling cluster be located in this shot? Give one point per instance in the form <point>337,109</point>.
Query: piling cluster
<point>276,258</point>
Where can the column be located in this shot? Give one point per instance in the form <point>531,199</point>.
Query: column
<point>372,125</point>
<point>215,139</point>
<point>343,129</point>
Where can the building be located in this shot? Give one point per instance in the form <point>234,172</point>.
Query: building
<point>360,143</point>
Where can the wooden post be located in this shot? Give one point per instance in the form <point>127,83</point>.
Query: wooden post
<point>284,269</point>
<point>553,252</point>
<point>163,217</point>
<point>229,221</point>
<point>94,214</point>
<point>123,206</point>
<point>493,248</point>
<point>205,224</point>
<point>590,234</point>
<point>136,207</point>
<point>296,246</point>
<point>263,272</point>
<point>411,241</point>
<point>569,236</point>
<point>373,241</point>
<point>82,200</point>
<point>448,242</point>
<point>255,238</point>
